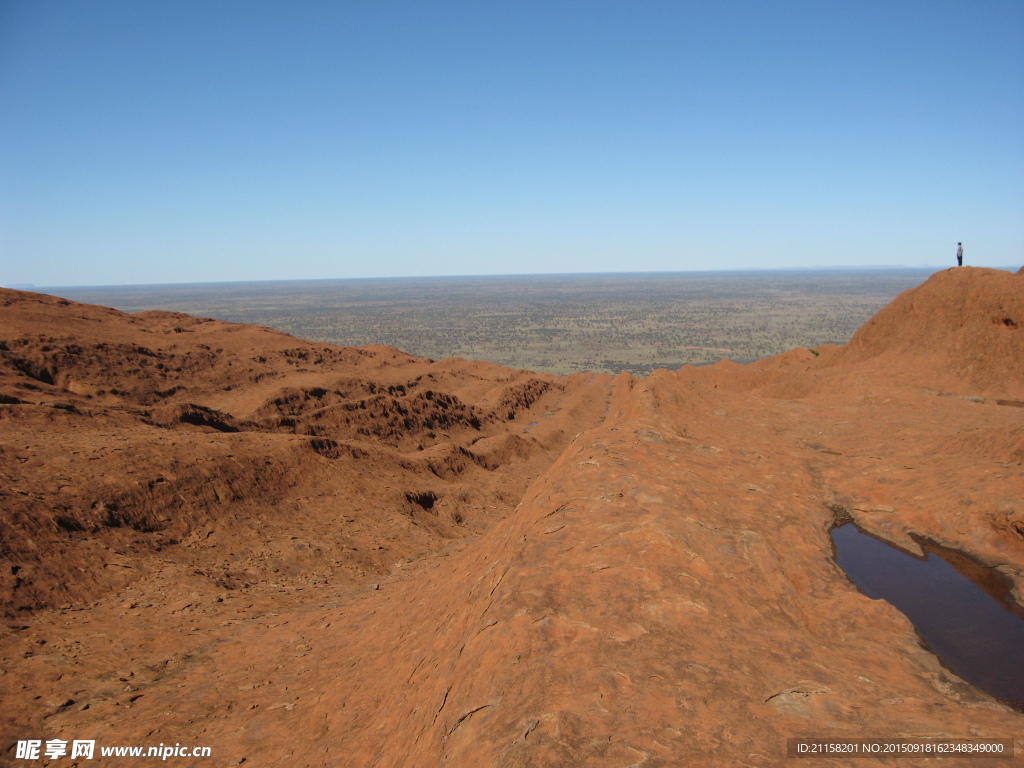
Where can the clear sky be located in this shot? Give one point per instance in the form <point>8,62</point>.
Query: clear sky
<point>193,141</point>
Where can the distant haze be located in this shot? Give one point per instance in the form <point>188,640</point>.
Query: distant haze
<point>186,142</point>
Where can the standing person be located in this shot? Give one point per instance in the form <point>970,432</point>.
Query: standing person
<point>959,254</point>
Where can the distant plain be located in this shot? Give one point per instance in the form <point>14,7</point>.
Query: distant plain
<point>634,322</point>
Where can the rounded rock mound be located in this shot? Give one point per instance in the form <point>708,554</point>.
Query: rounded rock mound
<point>963,325</point>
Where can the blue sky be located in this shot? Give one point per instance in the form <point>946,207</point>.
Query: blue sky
<point>149,142</point>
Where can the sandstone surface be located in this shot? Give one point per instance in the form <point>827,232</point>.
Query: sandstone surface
<point>309,555</point>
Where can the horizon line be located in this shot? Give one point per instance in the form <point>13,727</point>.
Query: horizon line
<point>837,268</point>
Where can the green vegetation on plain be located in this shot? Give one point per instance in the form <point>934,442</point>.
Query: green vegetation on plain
<point>557,323</point>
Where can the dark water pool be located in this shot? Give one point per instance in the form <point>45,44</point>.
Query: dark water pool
<point>964,612</point>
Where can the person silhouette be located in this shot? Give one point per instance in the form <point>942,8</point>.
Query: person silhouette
<point>959,254</point>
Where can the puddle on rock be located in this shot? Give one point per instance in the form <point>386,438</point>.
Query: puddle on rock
<point>963,611</point>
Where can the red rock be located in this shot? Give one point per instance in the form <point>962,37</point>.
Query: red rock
<point>651,586</point>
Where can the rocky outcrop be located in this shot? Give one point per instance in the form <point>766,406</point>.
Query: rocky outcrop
<point>963,328</point>
<point>483,567</point>
<point>131,433</point>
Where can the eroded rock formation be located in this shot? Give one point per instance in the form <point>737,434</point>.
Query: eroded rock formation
<point>307,555</point>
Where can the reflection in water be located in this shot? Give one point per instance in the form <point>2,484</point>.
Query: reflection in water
<point>976,631</point>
